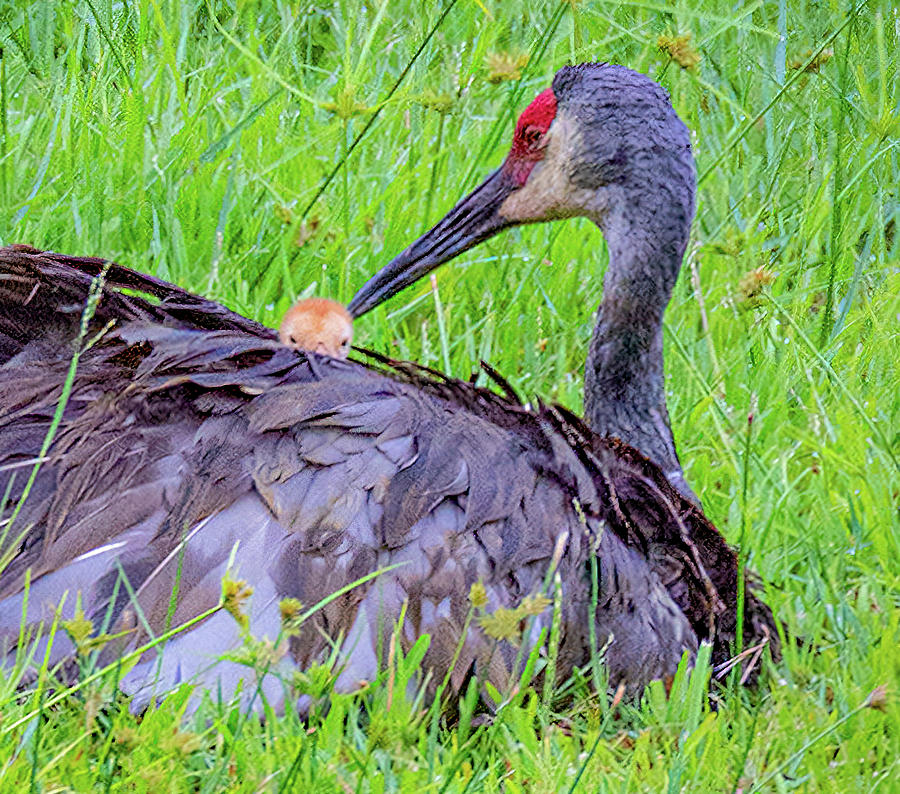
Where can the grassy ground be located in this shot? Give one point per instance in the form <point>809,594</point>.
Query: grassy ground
<point>190,139</point>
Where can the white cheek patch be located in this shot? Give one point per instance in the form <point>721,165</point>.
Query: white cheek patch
<point>548,192</point>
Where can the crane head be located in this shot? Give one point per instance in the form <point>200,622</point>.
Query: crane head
<point>318,324</point>
<point>599,140</point>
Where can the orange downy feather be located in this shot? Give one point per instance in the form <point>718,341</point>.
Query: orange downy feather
<point>318,324</point>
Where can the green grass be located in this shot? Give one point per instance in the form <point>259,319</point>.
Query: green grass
<point>187,139</point>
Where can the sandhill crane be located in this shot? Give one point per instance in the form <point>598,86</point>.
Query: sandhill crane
<point>192,440</point>
<point>318,324</point>
<point>603,143</point>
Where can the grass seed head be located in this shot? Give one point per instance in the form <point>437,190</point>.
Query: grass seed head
<point>345,105</point>
<point>442,102</point>
<point>235,593</point>
<point>290,609</point>
<point>752,284</point>
<point>478,595</point>
<point>79,628</point>
<point>800,62</point>
<point>534,605</point>
<point>878,698</point>
<point>505,66</point>
<point>502,624</point>
<point>680,50</point>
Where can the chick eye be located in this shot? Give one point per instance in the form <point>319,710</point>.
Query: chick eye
<point>293,341</point>
<point>345,342</point>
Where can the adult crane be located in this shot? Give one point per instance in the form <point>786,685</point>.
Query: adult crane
<point>191,442</point>
<point>604,143</point>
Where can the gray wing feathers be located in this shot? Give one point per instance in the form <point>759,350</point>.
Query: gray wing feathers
<point>308,524</point>
<point>309,482</point>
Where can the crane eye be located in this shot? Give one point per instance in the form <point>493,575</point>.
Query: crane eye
<point>532,136</point>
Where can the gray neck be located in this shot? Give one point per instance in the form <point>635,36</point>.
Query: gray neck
<point>624,389</point>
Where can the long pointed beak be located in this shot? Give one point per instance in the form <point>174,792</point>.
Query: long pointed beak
<point>470,222</point>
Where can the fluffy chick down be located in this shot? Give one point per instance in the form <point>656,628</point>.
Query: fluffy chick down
<point>318,324</point>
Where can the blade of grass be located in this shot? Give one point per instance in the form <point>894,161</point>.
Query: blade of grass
<point>374,116</point>
<point>735,139</point>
